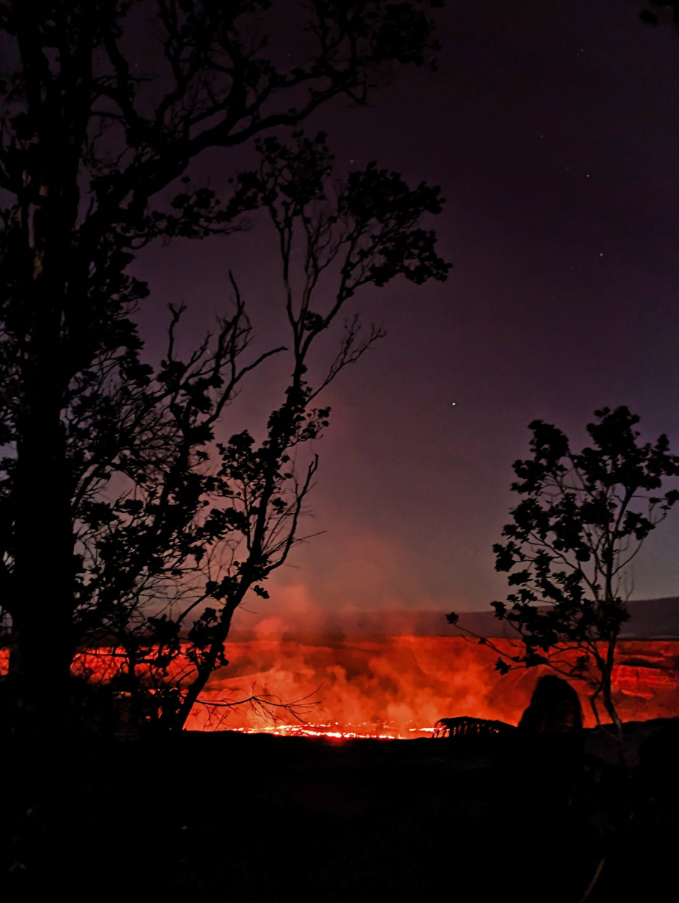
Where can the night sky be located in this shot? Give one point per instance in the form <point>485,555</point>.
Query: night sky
<point>553,130</point>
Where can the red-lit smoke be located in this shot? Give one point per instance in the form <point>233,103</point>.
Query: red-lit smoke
<point>401,685</point>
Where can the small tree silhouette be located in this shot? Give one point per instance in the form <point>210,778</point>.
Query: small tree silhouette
<point>583,519</point>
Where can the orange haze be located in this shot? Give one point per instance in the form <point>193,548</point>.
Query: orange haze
<point>400,686</point>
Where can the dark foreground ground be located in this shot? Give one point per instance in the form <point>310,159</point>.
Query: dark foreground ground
<point>260,818</point>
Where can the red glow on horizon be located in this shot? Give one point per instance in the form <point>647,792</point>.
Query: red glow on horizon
<point>400,686</point>
<point>396,687</point>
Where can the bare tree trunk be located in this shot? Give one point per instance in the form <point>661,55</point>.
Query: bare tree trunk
<point>178,719</point>
<point>44,530</point>
<point>607,689</point>
<point>43,552</point>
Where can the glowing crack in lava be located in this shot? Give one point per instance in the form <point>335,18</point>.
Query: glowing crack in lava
<point>396,687</point>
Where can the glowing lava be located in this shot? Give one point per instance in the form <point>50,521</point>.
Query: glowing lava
<point>393,687</point>
<point>400,686</point>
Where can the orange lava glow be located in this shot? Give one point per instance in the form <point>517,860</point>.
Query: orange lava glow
<point>395,687</point>
<point>400,686</point>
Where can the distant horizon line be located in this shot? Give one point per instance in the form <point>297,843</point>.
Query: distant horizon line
<point>649,618</point>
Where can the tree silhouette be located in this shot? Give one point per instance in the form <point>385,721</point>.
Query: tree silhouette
<point>105,104</point>
<point>168,561</point>
<point>584,518</point>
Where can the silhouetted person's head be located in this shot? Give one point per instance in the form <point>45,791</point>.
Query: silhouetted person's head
<point>554,708</point>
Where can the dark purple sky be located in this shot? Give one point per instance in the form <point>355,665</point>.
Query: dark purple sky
<point>553,129</point>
